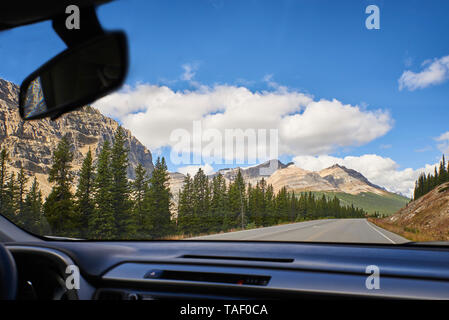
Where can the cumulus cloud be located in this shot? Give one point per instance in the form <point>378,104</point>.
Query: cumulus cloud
<point>192,170</point>
<point>443,146</point>
<point>379,170</point>
<point>435,72</point>
<point>305,126</point>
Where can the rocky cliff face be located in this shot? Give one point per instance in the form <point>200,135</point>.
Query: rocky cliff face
<point>349,181</point>
<point>427,217</point>
<point>297,179</point>
<point>333,179</point>
<point>31,143</point>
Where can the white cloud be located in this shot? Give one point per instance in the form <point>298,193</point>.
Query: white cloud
<point>444,145</point>
<point>379,170</point>
<point>305,125</point>
<point>435,72</point>
<point>189,72</point>
<point>192,170</point>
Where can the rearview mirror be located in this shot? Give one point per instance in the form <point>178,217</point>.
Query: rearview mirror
<point>75,77</point>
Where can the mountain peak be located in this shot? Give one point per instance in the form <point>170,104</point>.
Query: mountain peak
<point>30,143</point>
<point>349,180</point>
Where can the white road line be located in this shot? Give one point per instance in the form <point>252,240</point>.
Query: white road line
<point>273,229</point>
<point>375,229</point>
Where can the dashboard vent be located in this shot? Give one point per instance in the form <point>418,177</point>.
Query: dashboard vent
<point>240,279</point>
<point>280,260</point>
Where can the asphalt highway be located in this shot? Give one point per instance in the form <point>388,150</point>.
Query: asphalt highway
<point>329,230</point>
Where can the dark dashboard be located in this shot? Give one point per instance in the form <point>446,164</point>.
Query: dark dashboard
<point>230,270</point>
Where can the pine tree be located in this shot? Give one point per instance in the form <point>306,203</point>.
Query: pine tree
<point>140,211</point>
<point>270,215</point>
<point>282,206</point>
<point>120,189</point>
<point>32,216</point>
<point>84,205</point>
<point>235,215</point>
<point>186,218</point>
<point>22,180</point>
<point>4,158</point>
<point>11,195</point>
<point>58,207</point>
<point>442,173</point>
<point>201,202</point>
<point>158,200</point>
<point>218,203</point>
<point>102,222</point>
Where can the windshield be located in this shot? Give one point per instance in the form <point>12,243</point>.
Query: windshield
<point>242,120</point>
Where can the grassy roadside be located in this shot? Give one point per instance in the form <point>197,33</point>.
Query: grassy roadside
<point>408,233</point>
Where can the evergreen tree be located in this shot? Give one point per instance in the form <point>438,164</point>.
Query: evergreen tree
<point>427,183</point>
<point>84,205</point>
<point>201,202</point>
<point>218,203</point>
<point>58,207</point>
<point>158,200</point>
<point>186,218</point>
<point>11,195</point>
<point>120,189</point>
<point>235,215</point>
<point>32,215</point>
<point>140,211</point>
<point>102,222</point>
<point>4,158</point>
<point>22,180</point>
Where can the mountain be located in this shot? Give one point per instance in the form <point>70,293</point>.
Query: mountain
<point>349,181</point>
<point>299,180</point>
<point>176,182</point>
<point>335,178</point>
<point>425,219</point>
<point>30,143</point>
<point>348,185</point>
<point>252,174</point>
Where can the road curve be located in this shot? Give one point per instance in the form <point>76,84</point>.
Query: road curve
<point>329,230</point>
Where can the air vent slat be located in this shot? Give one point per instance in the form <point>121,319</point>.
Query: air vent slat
<point>260,259</point>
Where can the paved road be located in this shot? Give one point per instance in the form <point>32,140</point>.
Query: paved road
<point>329,230</point>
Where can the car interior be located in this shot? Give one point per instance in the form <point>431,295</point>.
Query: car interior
<point>35,267</point>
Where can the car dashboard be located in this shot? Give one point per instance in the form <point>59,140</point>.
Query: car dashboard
<point>153,270</point>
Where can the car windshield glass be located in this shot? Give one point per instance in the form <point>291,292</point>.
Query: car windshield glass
<point>272,120</point>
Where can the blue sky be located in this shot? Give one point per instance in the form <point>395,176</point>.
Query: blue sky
<point>319,48</point>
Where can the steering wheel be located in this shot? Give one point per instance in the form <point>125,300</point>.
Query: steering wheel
<point>8,275</point>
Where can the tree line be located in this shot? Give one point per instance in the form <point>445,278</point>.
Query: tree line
<point>210,205</point>
<point>106,205</point>
<point>427,183</point>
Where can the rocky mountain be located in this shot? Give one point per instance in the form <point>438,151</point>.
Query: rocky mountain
<point>425,219</point>
<point>176,182</point>
<point>297,179</point>
<point>30,143</point>
<point>333,179</point>
<point>349,181</point>
<point>254,173</point>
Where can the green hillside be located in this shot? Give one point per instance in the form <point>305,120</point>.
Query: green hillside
<point>370,202</point>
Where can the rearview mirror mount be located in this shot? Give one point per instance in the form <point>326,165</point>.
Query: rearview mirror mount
<point>76,77</point>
